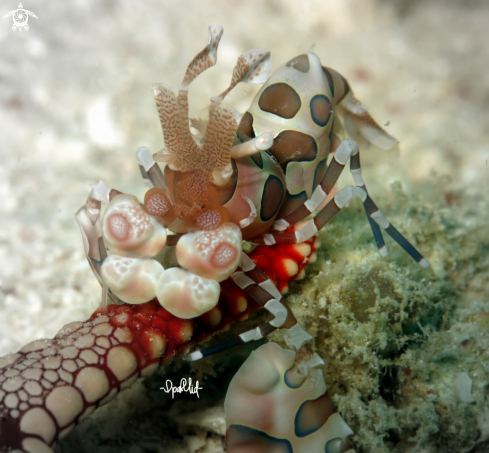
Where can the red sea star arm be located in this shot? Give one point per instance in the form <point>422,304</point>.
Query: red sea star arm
<point>51,385</point>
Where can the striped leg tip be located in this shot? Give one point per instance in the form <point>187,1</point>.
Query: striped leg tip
<point>383,250</point>
<point>423,262</point>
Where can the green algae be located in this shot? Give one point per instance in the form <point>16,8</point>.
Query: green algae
<point>393,336</point>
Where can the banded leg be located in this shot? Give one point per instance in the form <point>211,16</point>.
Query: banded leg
<point>326,185</point>
<point>150,171</point>
<point>260,288</point>
<point>330,211</point>
<point>377,215</point>
<point>379,239</point>
<point>361,127</point>
<point>348,149</point>
<point>356,171</point>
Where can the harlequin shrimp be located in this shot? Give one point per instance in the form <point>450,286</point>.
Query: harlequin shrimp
<point>268,385</point>
<point>222,230</point>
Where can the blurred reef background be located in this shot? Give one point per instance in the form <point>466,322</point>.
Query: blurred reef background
<point>406,350</point>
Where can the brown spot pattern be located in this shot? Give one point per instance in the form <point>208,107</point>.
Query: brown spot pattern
<point>346,87</point>
<point>245,439</point>
<point>313,414</point>
<point>257,159</point>
<point>246,126</point>
<point>301,63</point>
<point>293,146</point>
<point>329,78</point>
<point>321,109</point>
<point>291,203</point>
<point>245,132</point>
<point>281,100</point>
<point>272,197</point>
<point>319,173</point>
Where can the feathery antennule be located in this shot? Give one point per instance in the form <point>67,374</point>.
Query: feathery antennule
<point>253,66</point>
<point>185,152</point>
<point>206,58</point>
<point>200,125</point>
<point>182,152</point>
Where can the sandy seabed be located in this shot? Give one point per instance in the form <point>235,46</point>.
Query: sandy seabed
<point>76,102</point>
